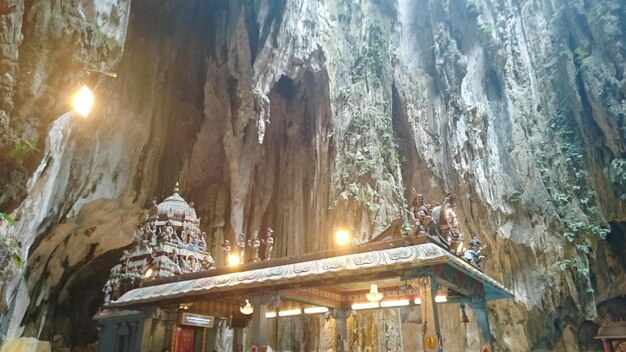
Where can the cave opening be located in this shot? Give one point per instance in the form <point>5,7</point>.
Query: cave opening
<point>617,240</point>
<point>295,170</point>
<point>83,299</point>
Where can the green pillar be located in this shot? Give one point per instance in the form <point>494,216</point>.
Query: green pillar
<point>479,307</point>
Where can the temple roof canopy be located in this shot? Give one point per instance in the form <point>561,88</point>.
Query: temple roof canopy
<point>330,274</point>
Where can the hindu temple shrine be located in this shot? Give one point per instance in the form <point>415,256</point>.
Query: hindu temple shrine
<point>312,175</point>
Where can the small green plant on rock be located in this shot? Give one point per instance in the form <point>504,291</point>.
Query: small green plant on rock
<point>9,246</point>
<point>22,148</point>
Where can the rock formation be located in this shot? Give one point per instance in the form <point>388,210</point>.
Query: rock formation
<point>304,116</point>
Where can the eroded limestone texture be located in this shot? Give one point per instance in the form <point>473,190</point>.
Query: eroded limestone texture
<point>305,116</point>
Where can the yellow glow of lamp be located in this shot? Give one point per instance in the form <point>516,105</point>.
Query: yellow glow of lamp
<point>82,102</point>
<point>233,259</point>
<point>374,295</point>
<point>148,273</point>
<point>247,309</point>
<point>342,237</point>
<point>442,295</point>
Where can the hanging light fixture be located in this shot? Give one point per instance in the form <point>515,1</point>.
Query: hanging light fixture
<point>247,309</point>
<point>442,295</point>
<point>374,295</point>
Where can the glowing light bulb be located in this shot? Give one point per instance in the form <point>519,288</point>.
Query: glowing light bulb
<point>82,102</point>
<point>233,259</point>
<point>342,237</point>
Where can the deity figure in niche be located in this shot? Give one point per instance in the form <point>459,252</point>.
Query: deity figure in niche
<point>170,234</point>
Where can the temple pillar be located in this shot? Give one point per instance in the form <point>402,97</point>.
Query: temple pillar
<point>340,316</point>
<point>478,305</point>
<point>238,340</point>
<point>431,336</point>
<point>168,333</point>
<point>259,318</point>
<point>259,322</point>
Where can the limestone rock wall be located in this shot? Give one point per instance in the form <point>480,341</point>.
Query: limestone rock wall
<point>306,116</point>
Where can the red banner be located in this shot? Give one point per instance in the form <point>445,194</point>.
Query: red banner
<point>184,339</point>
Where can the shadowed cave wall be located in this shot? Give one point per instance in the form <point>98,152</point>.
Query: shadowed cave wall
<point>307,116</point>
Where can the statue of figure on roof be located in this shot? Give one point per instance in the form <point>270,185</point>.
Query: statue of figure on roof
<point>194,264</point>
<point>185,266</point>
<point>150,229</point>
<point>108,291</point>
<point>420,214</point>
<point>445,226</point>
<point>255,244</point>
<point>175,263</point>
<point>139,236</point>
<point>472,254</point>
<point>241,243</point>
<point>455,234</point>
<point>169,232</point>
<point>226,247</point>
<point>154,210</point>
<point>206,264</point>
<point>194,240</point>
<point>269,244</point>
<point>153,238</point>
<point>183,239</point>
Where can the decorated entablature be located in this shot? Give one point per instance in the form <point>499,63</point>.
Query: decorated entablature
<point>168,242</point>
